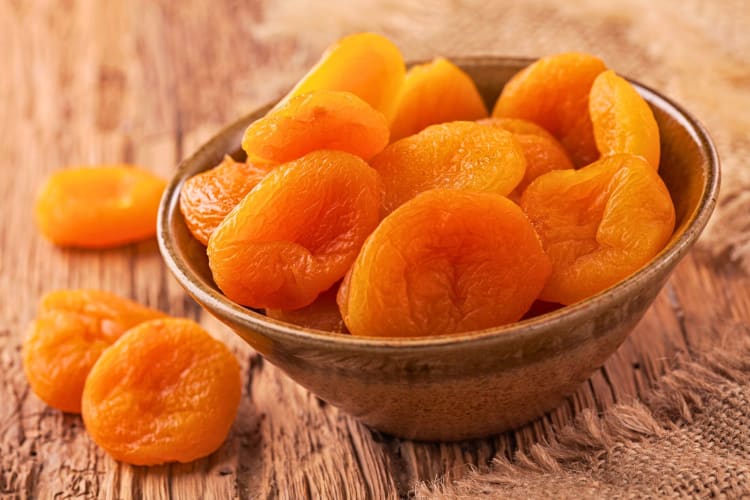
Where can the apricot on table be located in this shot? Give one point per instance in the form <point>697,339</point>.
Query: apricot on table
<point>622,120</point>
<point>323,119</point>
<point>365,64</point>
<point>297,232</point>
<point>598,224</point>
<point>71,331</point>
<point>323,314</point>
<point>542,151</point>
<point>458,155</point>
<point>99,206</point>
<point>554,92</point>
<point>166,391</point>
<point>206,198</point>
<point>435,92</point>
<point>447,261</point>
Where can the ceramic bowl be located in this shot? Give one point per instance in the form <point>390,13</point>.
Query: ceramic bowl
<point>472,384</point>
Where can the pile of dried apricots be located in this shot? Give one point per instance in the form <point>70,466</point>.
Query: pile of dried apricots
<point>374,201</point>
<point>151,389</point>
<point>386,202</point>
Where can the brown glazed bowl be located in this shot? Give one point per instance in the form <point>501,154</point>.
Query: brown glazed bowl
<point>471,384</point>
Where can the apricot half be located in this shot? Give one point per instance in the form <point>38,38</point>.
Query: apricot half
<point>166,391</point>
<point>623,122</point>
<point>206,198</point>
<point>458,155</point>
<point>322,119</point>
<point>447,261</point>
<point>297,232</point>
<point>100,206</point>
<point>72,329</point>
<point>365,64</point>
<point>598,224</point>
<point>432,93</point>
<point>554,92</point>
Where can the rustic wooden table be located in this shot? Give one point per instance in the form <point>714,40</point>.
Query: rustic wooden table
<point>147,81</point>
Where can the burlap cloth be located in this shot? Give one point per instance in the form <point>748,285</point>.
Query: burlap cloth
<point>689,438</point>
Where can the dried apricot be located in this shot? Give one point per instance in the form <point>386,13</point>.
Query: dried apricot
<point>297,232</point>
<point>71,331</point>
<point>324,119</point>
<point>623,122</point>
<point>554,93</point>
<point>436,92</point>
<point>323,314</point>
<point>447,261</point>
<point>542,151</point>
<point>206,198</point>
<point>598,224</point>
<point>458,155</point>
<point>98,207</point>
<point>166,391</point>
<point>365,64</point>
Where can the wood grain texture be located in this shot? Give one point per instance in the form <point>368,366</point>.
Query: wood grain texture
<point>147,81</point>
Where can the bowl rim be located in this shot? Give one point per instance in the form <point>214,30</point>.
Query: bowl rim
<point>236,314</point>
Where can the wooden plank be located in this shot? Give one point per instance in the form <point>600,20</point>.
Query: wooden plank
<point>148,81</point>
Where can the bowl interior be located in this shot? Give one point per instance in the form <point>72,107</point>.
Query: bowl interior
<point>689,168</point>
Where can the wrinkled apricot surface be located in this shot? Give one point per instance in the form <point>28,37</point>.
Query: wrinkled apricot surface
<point>98,207</point>
<point>458,155</point>
<point>365,64</point>
<point>622,120</point>
<point>598,224</point>
<point>542,151</point>
<point>206,198</point>
<point>436,92</point>
<point>323,314</point>
<point>554,93</point>
<point>166,391</point>
<point>447,261</point>
<point>71,331</point>
<point>323,119</point>
<point>297,232</point>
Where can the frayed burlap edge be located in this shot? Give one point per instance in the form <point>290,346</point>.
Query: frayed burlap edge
<point>679,399</point>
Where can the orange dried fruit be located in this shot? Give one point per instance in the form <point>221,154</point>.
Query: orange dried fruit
<point>542,151</point>
<point>598,224</point>
<point>457,155</point>
<point>447,261</point>
<point>206,198</point>
<point>554,92</point>
<point>622,120</point>
<point>166,391</point>
<point>297,232</point>
<point>323,119</point>
<point>323,314</point>
<point>435,92</point>
<point>365,64</point>
<point>71,331</point>
<point>98,207</point>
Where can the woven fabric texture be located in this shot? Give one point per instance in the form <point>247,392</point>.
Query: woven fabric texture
<point>690,438</point>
